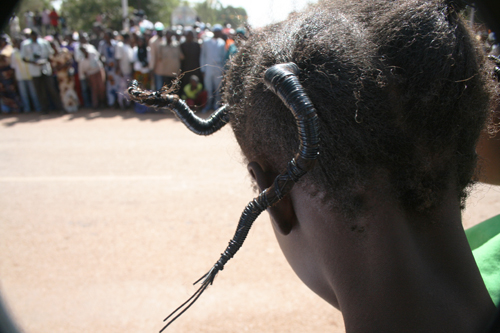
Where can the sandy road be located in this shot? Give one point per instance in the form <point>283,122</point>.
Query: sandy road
<point>107,218</point>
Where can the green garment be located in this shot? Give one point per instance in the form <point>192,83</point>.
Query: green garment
<point>191,94</point>
<point>484,241</point>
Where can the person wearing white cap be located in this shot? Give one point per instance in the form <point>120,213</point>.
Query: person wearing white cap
<point>213,53</point>
<point>153,45</point>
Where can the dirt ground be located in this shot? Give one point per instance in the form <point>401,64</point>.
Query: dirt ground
<point>106,219</point>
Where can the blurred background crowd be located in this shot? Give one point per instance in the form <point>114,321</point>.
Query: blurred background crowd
<point>86,54</point>
<point>47,67</point>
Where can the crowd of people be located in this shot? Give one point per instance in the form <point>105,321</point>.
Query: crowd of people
<point>47,68</point>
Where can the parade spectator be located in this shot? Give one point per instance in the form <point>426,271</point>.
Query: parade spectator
<point>5,46</point>
<point>124,55</point>
<point>54,20</point>
<point>62,63</point>
<point>233,48</point>
<point>107,51</point>
<point>8,94</point>
<point>153,46</point>
<point>168,57</point>
<point>37,20</point>
<point>14,27</point>
<point>36,52</point>
<point>213,54</point>
<point>23,77</point>
<point>91,67</point>
<point>142,57</point>
<point>194,94</point>
<point>28,19</point>
<point>96,36</point>
<point>191,63</point>
<point>83,41</point>
<point>45,21</point>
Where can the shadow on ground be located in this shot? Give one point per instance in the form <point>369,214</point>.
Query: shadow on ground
<point>87,114</point>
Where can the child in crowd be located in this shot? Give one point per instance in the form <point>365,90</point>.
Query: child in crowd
<point>194,95</point>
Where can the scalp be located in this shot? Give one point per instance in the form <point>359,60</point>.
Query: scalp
<point>398,86</point>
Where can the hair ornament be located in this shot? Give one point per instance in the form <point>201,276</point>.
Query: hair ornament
<point>282,80</point>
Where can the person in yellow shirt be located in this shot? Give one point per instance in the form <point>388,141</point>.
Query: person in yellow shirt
<point>194,95</point>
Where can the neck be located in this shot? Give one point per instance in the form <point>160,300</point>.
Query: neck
<point>401,271</point>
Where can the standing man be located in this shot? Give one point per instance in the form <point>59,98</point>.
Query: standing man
<point>79,56</point>
<point>213,54</point>
<point>124,55</point>
<point>191,63</point>
<point>36,52</point>
<point>24,80</point>
<point>107,51</point>
<point>168,57</point>
<point>54,20</point>
<point>153,47</point>
<point>45,21</point>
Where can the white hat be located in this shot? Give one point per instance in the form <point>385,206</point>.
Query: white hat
<point>159,26</point>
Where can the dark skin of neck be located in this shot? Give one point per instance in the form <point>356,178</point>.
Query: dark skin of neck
<point>386,269</point>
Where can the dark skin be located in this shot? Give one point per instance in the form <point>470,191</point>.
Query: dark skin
<point>386,268</point>
<point>169,37</point>
<point>189,37</point>
<point>218,34</point>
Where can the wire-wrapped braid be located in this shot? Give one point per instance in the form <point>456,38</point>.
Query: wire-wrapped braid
<point>161,99</point>
<point>283,81</point>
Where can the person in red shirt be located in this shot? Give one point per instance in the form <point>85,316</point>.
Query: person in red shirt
<point>54,20</point>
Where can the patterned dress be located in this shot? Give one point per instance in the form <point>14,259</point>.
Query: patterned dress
<point>61,62</point>
<point>10,101</point>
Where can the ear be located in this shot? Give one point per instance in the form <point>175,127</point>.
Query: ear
<point>282,214</point>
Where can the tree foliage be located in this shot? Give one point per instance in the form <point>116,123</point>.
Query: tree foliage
<point>81,14</point>
<point>30,5</point>
<point>212,11</point>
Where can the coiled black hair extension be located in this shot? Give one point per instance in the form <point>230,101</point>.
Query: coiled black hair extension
<point>282,80</point>
<point>161,99</point>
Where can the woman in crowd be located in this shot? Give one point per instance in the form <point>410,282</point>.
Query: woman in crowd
<point>9,98</point>
<point>62,63</point>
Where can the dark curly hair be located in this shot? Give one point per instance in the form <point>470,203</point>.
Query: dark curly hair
<point>399,87</point>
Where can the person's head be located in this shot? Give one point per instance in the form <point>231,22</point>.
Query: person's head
<point>169,36</point>
<point>400,94</point>
<point>96,28</point>
<point>84,38</point>
<point>34,35</point>
<point>16,42</point>
<point>159,27</point>
<point>189,36</point>
<point>125,37</point>
<point>108,36</point>
<point>3,40</point>
<point>141,40</point>
<point>217,30</point>
<point>68,38</point>
<point>193,81</point>
<point>54,45</point>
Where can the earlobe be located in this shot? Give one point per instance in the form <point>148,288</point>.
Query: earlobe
<point>282,214</point>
